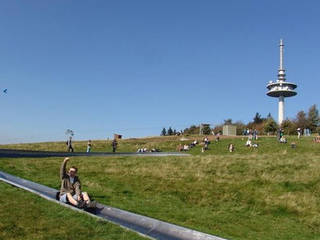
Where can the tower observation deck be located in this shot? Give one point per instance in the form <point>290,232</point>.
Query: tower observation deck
<point>281,88</point>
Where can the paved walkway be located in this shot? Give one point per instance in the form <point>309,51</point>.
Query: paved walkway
<point>7,153</point>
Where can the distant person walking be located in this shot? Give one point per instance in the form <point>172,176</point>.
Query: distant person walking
<point>255,134</point>
<point>299,132</point>
<point>89,145</point>
<point>206,140</point>
<point>114,145</point>
<point>69,145</point>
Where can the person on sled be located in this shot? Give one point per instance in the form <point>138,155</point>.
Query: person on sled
<point>70,191</point>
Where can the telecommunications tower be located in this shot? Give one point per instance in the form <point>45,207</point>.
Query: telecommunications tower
<point>280,88</point>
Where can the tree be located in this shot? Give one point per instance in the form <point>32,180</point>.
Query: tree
<point>257,118</point>
<point>313,118</point>
<point>193,129</point>
<point>174,132</point>
<point>170,132</point>
<point>301,120</point>
<point>270,126</point>
<point>164,132</point>
<point>289,127</point>
<point>269,116</point>
<point>240,127</point>
<point>206,130</point>
<point>218,129</point>
<point>228,121</point>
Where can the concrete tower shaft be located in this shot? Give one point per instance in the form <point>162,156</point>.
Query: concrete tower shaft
<point>281,55</point>
<point>281,109</point>
<point>281,72</point>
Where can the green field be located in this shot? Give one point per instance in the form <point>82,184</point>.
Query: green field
<point>24,215</point>
<point>272,192</point>
<point>170,143</point>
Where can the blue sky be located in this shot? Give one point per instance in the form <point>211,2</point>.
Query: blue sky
<point>133,67</point>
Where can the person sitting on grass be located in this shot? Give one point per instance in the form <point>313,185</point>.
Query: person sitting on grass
<point>70,191</point>
<point>194,143</point>
<point>186,147</point>
<point>248,143</point>
<point>283,139</point>
<point>255,145</point>
<point>231,147</point>
<point>155,150</point>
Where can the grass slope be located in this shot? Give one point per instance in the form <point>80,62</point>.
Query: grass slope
<point>125,145</point>
<point>272,192</point>
<point>170,143</point>
<point>26,216</point>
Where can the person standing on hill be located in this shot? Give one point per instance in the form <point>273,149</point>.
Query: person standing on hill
<point>70,191</point>
<point>299,132</point>
<point>69,145</point>
<point>114,145</point>
<point>89,145</point>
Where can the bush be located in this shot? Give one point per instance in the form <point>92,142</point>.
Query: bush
<point>270,126</point>
<point>289,127</point>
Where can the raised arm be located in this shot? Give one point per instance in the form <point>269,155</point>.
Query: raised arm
<point>63,172</point>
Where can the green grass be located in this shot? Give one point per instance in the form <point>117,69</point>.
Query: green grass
<point>266,145</point>
<point>27,216</point>
<point>125,145</point>
<point>272,192</point>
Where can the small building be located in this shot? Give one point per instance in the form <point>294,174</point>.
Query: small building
<point>229,130</point>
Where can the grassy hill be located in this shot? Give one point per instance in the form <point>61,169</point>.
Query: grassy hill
<point>28,217</point>
<point>170,143</point>
<point>272,192</point>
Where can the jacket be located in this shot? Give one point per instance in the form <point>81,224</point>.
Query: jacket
<point>66,186</point>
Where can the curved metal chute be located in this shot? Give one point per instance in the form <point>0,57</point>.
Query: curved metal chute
<point>146,226</point>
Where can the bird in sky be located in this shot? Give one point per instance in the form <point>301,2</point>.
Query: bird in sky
<point>5,90</point>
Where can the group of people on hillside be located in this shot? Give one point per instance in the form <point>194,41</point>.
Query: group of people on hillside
<point>249,143</point>
<point>251,133</point>
<point>187,147</point>
<point>143,150</point>
<point>70,148</point>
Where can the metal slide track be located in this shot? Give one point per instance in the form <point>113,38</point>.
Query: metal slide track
<point>145,226</point>
<point>8,153</point>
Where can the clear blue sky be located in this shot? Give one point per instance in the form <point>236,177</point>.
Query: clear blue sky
<point>133,67</point>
